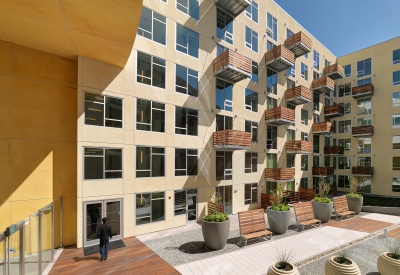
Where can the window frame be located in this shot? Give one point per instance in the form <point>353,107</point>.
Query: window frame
<point>186,117</point>
<point>151,116</point>
<point>151,209</point>
<point>345,106</point>
<point>349,72</point>
<point>346,126</point>
<point>252,8</point>
<point>186,162</point>
<point>253,43</point>
<point>228,37</point>
<point>396,74</point>
<point>151,161</point>
<point>104,162</point>
<point>228,101</point>
<point>304,117</point>
<point>316,61</point>
<point>346,163</point>
<point>304,71</point>
<point>393,57</point>
<point>247,106</point>
<point>252,156</point>
<point>152,70</point>
<point>253,125</point>
<point>361,103</point>
<point>395,168</point>
<point>188,74</point>
<point>249,201</point>
<point>361,73</point>
<point>272,137</point>
<point>361,148</point>
<point>254,71</point>
<point>394,104</point>
<point>228,172</point>
<point>271,86</point>
<point>395,189</point>
<point>273,27</point>
<point>187,40</point>
<point>152,26</point>
<point>304,163</point>
<point>189,11</point>
<point>393,143</point>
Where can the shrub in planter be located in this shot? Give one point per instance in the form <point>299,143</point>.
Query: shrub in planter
<point>355,200</point>
<point>389,262</point>
<point>278,214</point>
<point>341,264</point>
<point>322,205</point>
<point>283,265</point>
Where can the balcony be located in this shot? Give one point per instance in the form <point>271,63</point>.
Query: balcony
<point>322,171</point>
<point>279,58</point>
<point>298,147</point>
<point>279,174</point>
<point>362,171</point>
<point>279,116</point>
<point>231,140</point>
<point>323,128</point>
<point>323,85</point>
<point>234,7</point>
<point>298,95</point>
<point>232,66</point>
<point>333,111</point>
<point>333,150</point>
<point>299,44</point>
<point>334,71</point>
<point>362,131</point>
<point>363,90</point>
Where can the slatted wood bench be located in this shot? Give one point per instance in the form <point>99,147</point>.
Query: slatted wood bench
<point>305,215</point>
<point>252,225</point>
<point>342,208</point>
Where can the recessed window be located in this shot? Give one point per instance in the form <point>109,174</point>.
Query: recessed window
<point>364,106</point>
<point>327,63</point>
<point>316,60</point>
<point>152,26</point>
<point>250,193</point>
<point>304,71</point>
<point>270,45</point>
<point>396,120</point>
<point>304,117</point>
<point>304,182</point>
<point>190,7</point>
<point>304,163</point>
<point>289,33</point>
<point>290,160</point>
<point>251,39</point>
<point>396,56</point>
<point>254,71</point>
<point>304,136</point>
<point>364,81</point>
<point>345,126</point>
<point>272,82</point>
<point>271,102</point>
<point>327,141</point>
<point>223,165</point>
<point>150,207</point>
<point>365,121</point>
<point>272,160</point>
<point>345,143</point>
<point>396,141</point>
<point>347,70</point>
<point>315,143</point>
<point>250,162</point>
<point>396,163</point>
<point>251,100</point>
<point>224,26</point>
<point>186,81</point>
<point>291,72</point>
<point>316,161</point>
<point>290,83</point>
<point>396,99</point>
<point>344,162</point>
<point>252,11</point>
<point>316,118</point>
<point>186,121</point>
<point>364,67</point>
<point>395,185</point>
<point>346,106</point>
<point>187,41</point>
<point>272,27</point>
<point>344,181</point>
<point>221,49</point>
<point>364,161</point>
<point>150,162</point>
<point>102,163</point>
<point>272,137</point>
<point>224,95</point>
<point>186,162</point>
<point>150,70</point>
<point>396,78</point>
<point>223,123</point>
<point>290,135</point>
<point>316,102</point>
<point>150,116</point>
<point>327,161</point>
<point>364,145</point>
<point>251,127</point>
<point>103,110</point>
<point>306,55</point>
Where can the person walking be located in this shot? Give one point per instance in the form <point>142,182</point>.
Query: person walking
<point>105,235</point>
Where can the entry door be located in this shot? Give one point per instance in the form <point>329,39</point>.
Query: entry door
<point>191,208</point>
<point>224,193</point>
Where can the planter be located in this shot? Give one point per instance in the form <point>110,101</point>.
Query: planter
<point>278,220</point>
<point>215,234</point>
<point>387,265</point>
<point>275,271</point>
<point>322,211</point>
<point>334,268</point>
<point>355,204</point>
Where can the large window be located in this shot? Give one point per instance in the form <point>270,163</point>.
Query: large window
<point>347,70</point>
<point>396,163</point>
<point>251,100</point>
<point>272,160</point>
<point>364,161</point>
<point>224,95</point>
<point>364,145</point>
<point>254,71</point>
<point>364,106</point>
<point>344,181</point>
<point>251,127</point>
<point>186,81</point>
<point>250,193</point>
<point>251,39</point>
<point>152,26</point>
<point>223,165</point>
<point>272,82</point>
<point>364,121</point>
<point>102,163</point>
<point>344,162</point>
<point>187,41</point>
<point>396,120</point>
<point>344,90</point>
<point>186,162</point>
<point>395,185</point>
<point>291,72</point>
<point>272,27</point>
<point>345,126</point>
<point>316,60</point>
<point>346,106</point>
<point>396,78</point>
<point>396,141</point>
<point>150,116</point>
<point>224,123</point>
<point>304,71</point>
<point>186,121</point>
<point>271,102</point>
<point>346,143</point>
<point>304,117</point>
<point>396,56</point>
<point>250,162</point>
<point>396,99</point>
<point>150,162</point>
<point>150,207</point>
<point>290,160</point>
<point>364,81</point>
<point>315,143</point>
<point>103,110</point>
<point>290,135</point>
<point>304,163</point>
<point>364,67</point>
<point>272,137</point>
<point>150,70</point>
<point>190,7</point>
<point>224,26</point>
<point>252,11</point>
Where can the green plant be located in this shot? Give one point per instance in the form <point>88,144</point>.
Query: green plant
<point>343,257</point>
<point>355,183</point>
<point>394,248</point>
<point>283,259</point>
<point>278,203</point>
<point>323,200</point>
<point>216,217</point>
<point>353,195</point>
<point>324,188</point>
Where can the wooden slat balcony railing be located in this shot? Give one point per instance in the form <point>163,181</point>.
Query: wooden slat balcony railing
<point>298,147</point>
<point>323,85</point>
<point>333,150</point>
<point>299,44</point>
<point>287,196</point>
<point>323,127</point>
<point>234,7</point>
<point>279,116</point>
<point>307,193</point>
<point>279,174</point>
<point>322,171</point>
<point>334,71</point>
<point>231,140</point>
<point>298,95</point>
<point>232,66</point>
<point>363,90</point>
<point>362,170</point>
<point>279,58</point>
<point>333,111</point>
<point>362,131</point>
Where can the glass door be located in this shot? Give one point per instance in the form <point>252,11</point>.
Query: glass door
<point>224,196</point>
<point>113,215</point>
<point>191,207</point>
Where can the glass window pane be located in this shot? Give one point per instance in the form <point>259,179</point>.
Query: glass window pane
<point>144,68</point>
<point>193,85</point>
<point>145,23</point>
<point>113,108</point>
<point>93,168</point>
<point>142,158</point>
<point>158,167</point>
<point>158,76</point>
<point>157,210</point>
<point>192,126</point>
<point>94,113</point>
<point>158,121</point>
<point>192,165</point>
<point>113,159</point>
<point>159,29</point>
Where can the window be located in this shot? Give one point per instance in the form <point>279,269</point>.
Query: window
<point>224,95</point>
<point>223,165</point>
<point>364,121</point>
<point>347,70</point>
<point>250,162</point>
<point>190,7</point>
<point>396,56</point>
<point>316,143</point>
<point>102,163</point>
<point>327,161</point>
<point>290,135</point>
<point>272,27</point>
<point>304,136</point>
<point>150,116</point>
<point>334,165</point>
<point>221,49</point>
<point>150,207</point>
<point>290,106</point>
<point>364,106</point>
<point>396,120</point>
<point>186,81</point>
<point>364,67</point>
<point>396,99</point>
<point>334,141</point>
<point>290,185</point>
<point>304,117</point>
<point>103,110</point>
<point>187,41</point>
<point>346,106</point>
<point>180,202</point>
<point>271,160</point>
<point>272,137</point>
<point>150,70</point>
<point>316,102</point>
<point>271,186</point>
<point>270,45</point>
<point>271,102</point>
<point>289,33</point>
<point>251,127</point>
<point>304,163</point>
<point>344,90</point>
<point>316,75</point>
<point>364,145</point>
<point>396,163</point>
<point>345,126</point>
<point>254,71</point>
<point>306,55</point>
<point>186,121</point>
<point>316,60</point>
<point>224,26</point>
<point>344,181</point>
<point>364,81</point>
<point>252,11</point>
<point>152,26</point>
<point>363,161</point>
<point>327,141</point>
<point>291,72</point>
<point>395,185</point>
<point>150,162</point>
<point>290,161</point>
<point>251,100</point>
<point>290,83</point>
<point>344,162</point>
<point>272,82</point>
<point>251,39</point>
<point>250,193</point>
<point>304,71</point>
<point>345,143</point>
<point>327,63</point>
<point>396,141</point>
<point>224,123</point>
<point>185,162</point>
<point>304,182</point>
<point>396,78</point>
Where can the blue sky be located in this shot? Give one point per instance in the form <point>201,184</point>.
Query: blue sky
<point>345,26</point>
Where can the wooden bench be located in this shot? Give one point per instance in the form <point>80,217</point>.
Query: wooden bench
<point>252,225</point>
<point>305,214</point>
<point>342,208</point>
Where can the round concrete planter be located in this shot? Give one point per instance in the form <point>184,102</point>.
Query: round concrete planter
<point>278,220</point>
<point>215,234</point>
<point>322,211</point>
<point>334,268</point>
<point>355,204</point>
<point>387,265</point>
<point>275,271</point>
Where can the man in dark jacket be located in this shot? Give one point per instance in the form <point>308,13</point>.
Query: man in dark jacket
<point>105,235</point>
